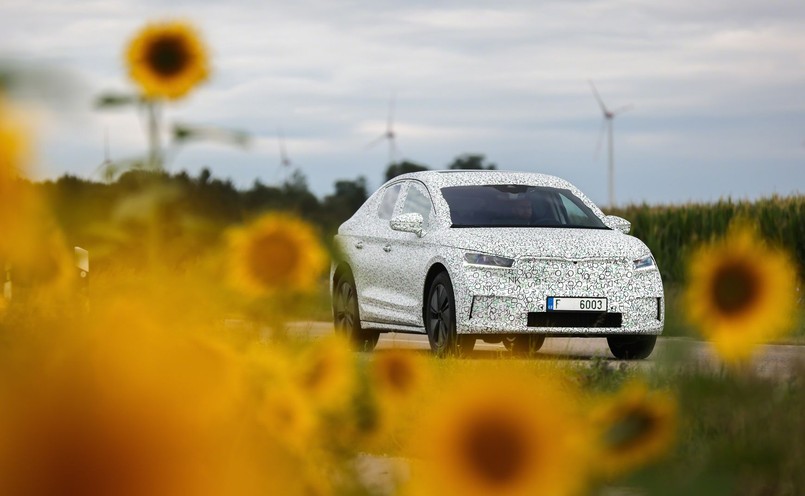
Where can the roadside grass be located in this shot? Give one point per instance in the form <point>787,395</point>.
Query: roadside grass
<point>738,433</point>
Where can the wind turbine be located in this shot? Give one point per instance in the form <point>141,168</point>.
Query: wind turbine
<point>285,160</point>
<point>106,168</point>
<point>389,135</point>
<point>609,118</point>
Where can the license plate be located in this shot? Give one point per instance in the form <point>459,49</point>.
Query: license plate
<point>570,304</point>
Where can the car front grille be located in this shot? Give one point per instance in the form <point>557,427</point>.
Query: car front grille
<point>574,319</point>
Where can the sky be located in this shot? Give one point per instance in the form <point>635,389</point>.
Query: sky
<point>717,88</point>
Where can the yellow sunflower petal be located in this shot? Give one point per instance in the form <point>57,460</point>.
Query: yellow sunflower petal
<point>740,293</point>
<point>634,428</point>
<point>276,252</point>
<point>167,60</point>
<point>502,435</point>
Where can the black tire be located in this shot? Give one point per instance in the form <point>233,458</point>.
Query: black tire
<point>346,316</point>
<point>508,342</point>
<point>440,320</point>
<point>631,347</point>
<point>527,345</point>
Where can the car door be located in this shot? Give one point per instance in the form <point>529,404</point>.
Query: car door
<point>368,258</point>
<point>407,257</point>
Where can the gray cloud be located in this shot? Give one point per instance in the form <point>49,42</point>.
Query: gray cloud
<point>717,87</point>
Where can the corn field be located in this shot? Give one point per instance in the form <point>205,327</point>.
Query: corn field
<point>671,232</point>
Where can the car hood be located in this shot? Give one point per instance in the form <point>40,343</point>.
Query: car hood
<point>571,244</point>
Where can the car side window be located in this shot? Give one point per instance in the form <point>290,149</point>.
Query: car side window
<point>418,201</point>
<point>574,213</point>
<point>387,202</point>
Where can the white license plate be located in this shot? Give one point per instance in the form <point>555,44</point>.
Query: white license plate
<point>571,304</point>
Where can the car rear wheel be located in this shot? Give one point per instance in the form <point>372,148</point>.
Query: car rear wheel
<point>346,316</point>
<point>440,320</point>
<point>527,345</point>
<point>631,347</point>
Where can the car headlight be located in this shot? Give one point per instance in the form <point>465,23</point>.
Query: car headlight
<point>488,260</point>
<point>644,263</point>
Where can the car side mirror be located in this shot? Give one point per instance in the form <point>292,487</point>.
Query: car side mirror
<point>618,223</point>
<point>411,222</point>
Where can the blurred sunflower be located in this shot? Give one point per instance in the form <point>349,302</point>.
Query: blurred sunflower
<point>288,417</point>
<point>635,428</point>
<point>276,252</point>
<point>14,158</point>
<point>14,145</point>
<point>167,60</point>
<point>97,417</point>
<point>740,292</point>
<point>397,375</point>
<point>503,436</point>
<point>326,373</point>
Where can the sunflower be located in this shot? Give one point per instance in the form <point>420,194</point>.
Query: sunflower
<point>397,375</point>
<point>635,427</point>
<point>14,158</point>
<point>502,435</point>
<point>326,373</point>
<point>276,252</point>
<point>288,417</point>
<point>740,292</point>
<point>103,414</point>
<point>14,145</point>
<point>167,60</point>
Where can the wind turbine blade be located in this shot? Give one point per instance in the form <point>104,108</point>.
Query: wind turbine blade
<point>283,151</point>
<point>374,142</point>
<point>623,109</point>
<point>598,97</point>
<point>600,138</point>
<point>390,122</point>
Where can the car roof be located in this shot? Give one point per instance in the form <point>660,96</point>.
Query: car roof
<point>444,178</point>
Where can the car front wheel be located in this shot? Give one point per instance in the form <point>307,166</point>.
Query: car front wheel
<point>440,320</point>
<point>346,316</point>
<point>631,347</point>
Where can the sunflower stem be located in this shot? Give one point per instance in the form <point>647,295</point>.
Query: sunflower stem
<point>154,144</point>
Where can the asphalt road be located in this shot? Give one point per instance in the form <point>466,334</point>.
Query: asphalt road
<point>770,360</point>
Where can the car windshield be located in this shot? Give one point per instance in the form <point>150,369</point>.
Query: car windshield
<point>515,205</point>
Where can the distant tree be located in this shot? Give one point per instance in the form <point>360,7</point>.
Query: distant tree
<point>403,167</point>
<point>347,198</point>
<point>472,161</point>
<point>297,182</point>
<point>204,176</point>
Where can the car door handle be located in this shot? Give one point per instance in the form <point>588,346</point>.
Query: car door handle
<point>387,248</point>
<point>359,245</point>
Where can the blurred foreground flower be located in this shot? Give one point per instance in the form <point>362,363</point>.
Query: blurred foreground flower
<point>397,375</point>
<point>276,252</point>
<point>326,373</point>
<point>31,245</point>
<point>167,60</point>
<point>14,157</point>
<point>635,428</point>
<point>141,410</point>
<point>740,293</point>
<point>504,436</point>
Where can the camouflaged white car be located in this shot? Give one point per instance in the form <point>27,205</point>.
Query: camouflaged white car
<point>500,256</point>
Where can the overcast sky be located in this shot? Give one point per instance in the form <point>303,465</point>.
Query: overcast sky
<point>718,88</point>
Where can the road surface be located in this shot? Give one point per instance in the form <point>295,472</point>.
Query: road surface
<point>770,360</point>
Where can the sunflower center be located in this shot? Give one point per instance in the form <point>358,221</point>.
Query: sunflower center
<point>398,375</point>
<point>168,55</point>
<point>494,450</point>
<point>317,374</point>
<point>273,259</point>
<point>735,288</point>
<point>632,429</point>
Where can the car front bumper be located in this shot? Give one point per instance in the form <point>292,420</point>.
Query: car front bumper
<point>513,301</point>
